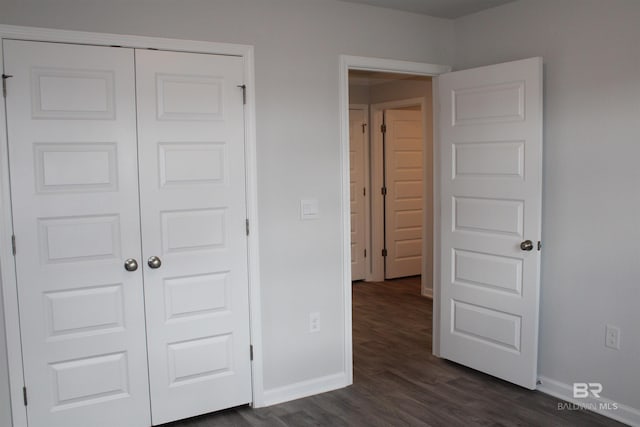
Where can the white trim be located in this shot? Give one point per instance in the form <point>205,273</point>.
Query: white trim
<point>7,267</point>
<point>367,186</point>
<point>394,66</point>
<point>138,42</point>
<point>8,278</point>
<point>623,413</point>
<point>305,389</point>
<point>251,164</point>
<point>374,64</point>
<point>435,285</point>
<point>345,212</point>
<point>377,201</point>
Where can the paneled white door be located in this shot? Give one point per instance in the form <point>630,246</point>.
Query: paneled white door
<point>403,142</point>
<point>357,141</point>
<point>192,186</point>
<point>491,164</point>
<point>72,144</point>
<point>78,173</point>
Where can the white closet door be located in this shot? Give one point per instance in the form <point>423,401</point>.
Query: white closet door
<point>72,144</point>
<point>192,186</point>
<point>403,202</point>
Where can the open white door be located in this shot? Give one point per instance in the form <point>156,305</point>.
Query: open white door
<point>491,188</point>
<point>403,201</point>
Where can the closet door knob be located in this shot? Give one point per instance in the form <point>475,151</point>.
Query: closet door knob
<point>154,262</point>
<point>527,245</point>
<point>131,264</point>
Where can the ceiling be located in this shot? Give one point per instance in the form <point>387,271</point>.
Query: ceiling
<point>450,9</point>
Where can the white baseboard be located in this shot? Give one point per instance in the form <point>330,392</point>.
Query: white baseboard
<point>603,406</point>
<point>427,292</point>
<point>305,389</point>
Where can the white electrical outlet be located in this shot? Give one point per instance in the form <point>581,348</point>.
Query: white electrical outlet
<point>612,337</point>
<point>314,322</point>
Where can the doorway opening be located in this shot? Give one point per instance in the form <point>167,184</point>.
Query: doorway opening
<point>391,212</point>
<point>403,68</point>
<point>391,177</point>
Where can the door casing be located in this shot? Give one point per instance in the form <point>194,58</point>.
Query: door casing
<point>7,265</point>
<point>367,187</point>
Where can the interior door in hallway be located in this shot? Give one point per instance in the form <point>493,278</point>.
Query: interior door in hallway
<point>403,146</point>
<point>491,192</point>
<point>72,142</point>
<point>192,186</point>
<point>357,161</point>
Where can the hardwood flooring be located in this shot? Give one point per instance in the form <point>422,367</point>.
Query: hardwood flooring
<point>397,382</point>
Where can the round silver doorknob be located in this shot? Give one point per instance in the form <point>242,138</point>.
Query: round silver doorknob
<point>527,245</point>
<point>131,264</point>
<point>154,262</point>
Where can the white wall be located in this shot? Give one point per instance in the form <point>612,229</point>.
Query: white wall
<point>297,45</point>
<point>591,201</point>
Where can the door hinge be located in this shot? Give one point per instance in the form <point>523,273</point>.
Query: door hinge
<point>24,395</point>
<point>246,224</point>
<point>539,245</point>
<point>384,252</point>
<point>251,352</point>
<point>13,244</point>
<point>383,190</point>
<point>4,84</point>
<point>244,93</point>
<point>364,127</point>
<point>383,128</point>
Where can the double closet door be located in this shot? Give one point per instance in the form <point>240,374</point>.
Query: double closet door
<point>128,200</point>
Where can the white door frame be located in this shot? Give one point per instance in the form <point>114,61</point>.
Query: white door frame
<point>347,63</point>
<point>7,265</point>
<point>377,201</point>
<point>367,186</point>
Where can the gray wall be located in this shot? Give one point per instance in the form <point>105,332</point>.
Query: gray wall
<point>358,94</point>
<point>297,45</point>
<point>591,212</point>
<point>401,89</point>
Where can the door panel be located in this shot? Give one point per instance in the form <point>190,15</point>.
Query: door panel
<point>76,219</point>
<point>191,148</point>
<point>357,141</point>
<point>403,202</point>
<point>491,163</point>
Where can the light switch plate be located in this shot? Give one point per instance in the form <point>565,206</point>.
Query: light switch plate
<point>309,209</point>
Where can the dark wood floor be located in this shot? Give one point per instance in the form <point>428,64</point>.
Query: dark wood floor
<point>397,382</point>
